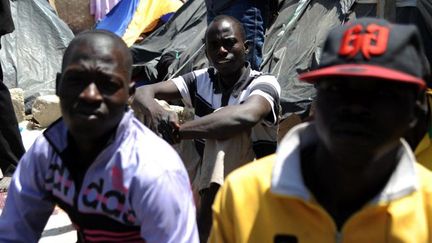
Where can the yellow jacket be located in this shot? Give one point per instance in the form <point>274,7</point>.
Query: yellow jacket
<point>266,201</point>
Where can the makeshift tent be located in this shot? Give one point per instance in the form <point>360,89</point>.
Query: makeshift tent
<point>293,44</point>
<point>182,34</point>
<point>285,56</point>
<point>31,55</point>
<point>128,19</point>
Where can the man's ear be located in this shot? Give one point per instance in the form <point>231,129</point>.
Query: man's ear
<point>419,123</point>
<point>57,87</point>
<point>421,110</point>
<point>247,44</point>
<point>132,88</point>
<point>206,53</point>
<point>421,107</point>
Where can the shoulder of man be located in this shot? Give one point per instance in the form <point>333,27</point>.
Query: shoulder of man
<point>256,174</point>
<point>266,83</point>
<point>259,77</point>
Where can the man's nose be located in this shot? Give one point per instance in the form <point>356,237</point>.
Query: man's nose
<point>91,93</point>
<point>223,50</point>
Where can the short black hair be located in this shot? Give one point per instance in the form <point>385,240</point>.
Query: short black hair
<point>85,35</point>
<point>235,22</point>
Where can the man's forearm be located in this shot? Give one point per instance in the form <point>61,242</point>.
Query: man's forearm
<point>145,96</point>
<point>221,124</point>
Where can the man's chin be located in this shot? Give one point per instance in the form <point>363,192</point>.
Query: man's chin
<point>227,68</point>
<point>80,117</point>
<point>357,148</point>
<point>90,130</point>
<point>353,142</point>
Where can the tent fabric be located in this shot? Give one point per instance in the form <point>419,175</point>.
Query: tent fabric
<point>118,19</point>
<point>286,57</point>
<point>31,55</point>
<point>131,18</point>
<point>182,34</point>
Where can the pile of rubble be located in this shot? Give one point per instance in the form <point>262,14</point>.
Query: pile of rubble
<point>46,109</point>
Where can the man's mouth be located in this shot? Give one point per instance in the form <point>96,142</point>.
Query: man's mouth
<point>88,113</point>
<point>224,61</point>
<point>352,130</point>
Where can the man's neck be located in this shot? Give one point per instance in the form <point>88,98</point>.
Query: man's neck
<point>229,80</point>
<point>340,189</point>
<point>89,148</point>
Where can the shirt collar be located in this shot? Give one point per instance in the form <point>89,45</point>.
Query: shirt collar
<point>57,133</point>
<point>240,85</point>
<point>287,178</point>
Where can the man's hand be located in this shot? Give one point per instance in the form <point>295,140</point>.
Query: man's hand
<point>157,114</point>
<point>158,117</point>
<point>169,131</point>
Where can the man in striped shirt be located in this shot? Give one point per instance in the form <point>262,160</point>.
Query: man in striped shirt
<point>236,111</point>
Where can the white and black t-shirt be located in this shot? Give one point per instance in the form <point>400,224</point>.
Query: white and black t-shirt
<point>202,90</point>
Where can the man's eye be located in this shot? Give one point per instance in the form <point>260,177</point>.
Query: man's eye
<point>229,43</point>
<point>75,83</point>
<point>212,44</point>
<point>108,87</point>
<point>389,93</point>
<point>330,87</point>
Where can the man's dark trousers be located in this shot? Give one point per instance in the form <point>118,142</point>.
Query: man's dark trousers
<point>11,146</point>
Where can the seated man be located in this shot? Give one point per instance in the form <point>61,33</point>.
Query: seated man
<point>349,176</point>
<point>236,110</point>
<point>115,178</point>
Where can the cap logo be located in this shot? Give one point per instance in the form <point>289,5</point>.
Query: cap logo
<point>370,40</point>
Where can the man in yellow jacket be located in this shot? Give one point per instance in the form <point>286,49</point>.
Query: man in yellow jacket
<point>349,176</point>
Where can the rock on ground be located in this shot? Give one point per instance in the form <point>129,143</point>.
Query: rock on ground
<point>17,96</point>
<point>46,109</point>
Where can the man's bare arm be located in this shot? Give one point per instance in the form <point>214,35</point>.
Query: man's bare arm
<point>152,113</point>
<point>227,121</point>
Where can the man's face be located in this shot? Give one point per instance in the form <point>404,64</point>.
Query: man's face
<point>359,117</point>
<point>94,88</point>
<point>225,47</point>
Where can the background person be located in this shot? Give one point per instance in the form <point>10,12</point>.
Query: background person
<point>236,111</point>
<point>255,16</point>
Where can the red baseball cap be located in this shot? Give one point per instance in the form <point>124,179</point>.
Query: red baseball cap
<point>372,48</point>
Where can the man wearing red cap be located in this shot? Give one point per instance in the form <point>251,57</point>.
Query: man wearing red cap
<point>349,176</point>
